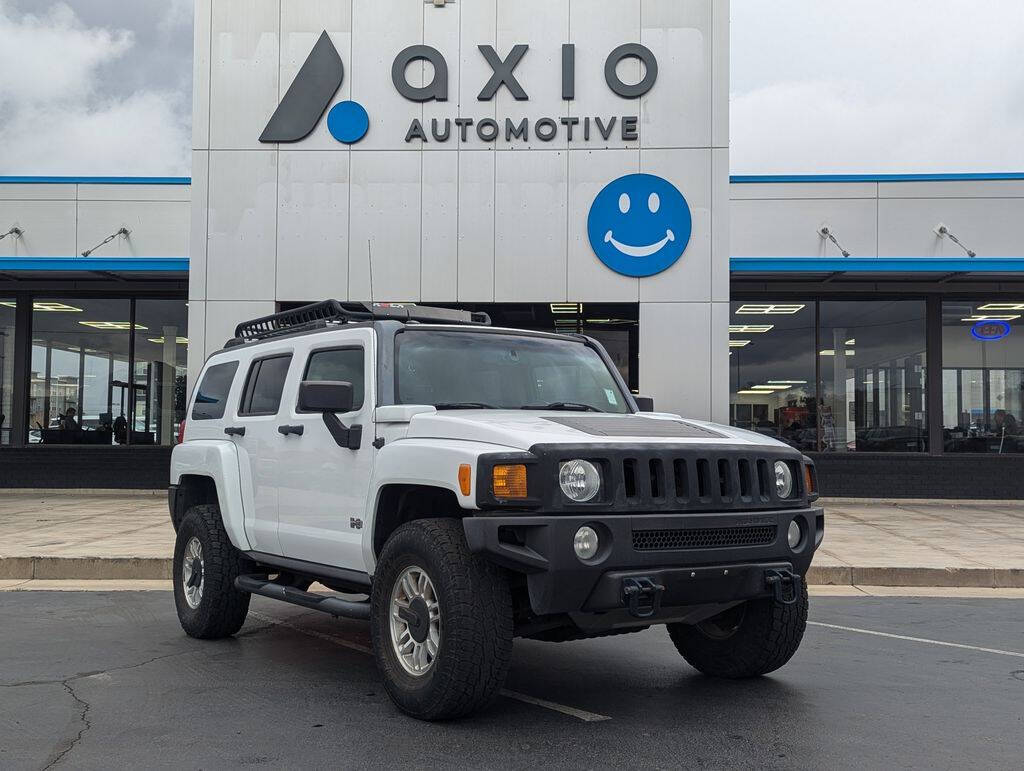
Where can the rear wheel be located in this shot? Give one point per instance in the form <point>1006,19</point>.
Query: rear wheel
<point>749,639</point>
<point>205,567</point>
<point>441,621</point>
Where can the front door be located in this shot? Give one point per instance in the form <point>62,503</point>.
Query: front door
<point>322,487</point>
<point>259,447</point>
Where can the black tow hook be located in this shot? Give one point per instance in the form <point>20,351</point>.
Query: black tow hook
<point>642,596</point>
<point>782,582</point>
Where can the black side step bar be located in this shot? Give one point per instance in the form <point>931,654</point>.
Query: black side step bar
<point>333,605</point>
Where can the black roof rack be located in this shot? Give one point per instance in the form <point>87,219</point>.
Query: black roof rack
<point>323,313</point>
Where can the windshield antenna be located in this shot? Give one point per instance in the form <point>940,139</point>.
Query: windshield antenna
<point>369,261</point>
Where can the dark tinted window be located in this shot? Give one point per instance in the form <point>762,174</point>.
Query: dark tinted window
<point>505,371</point>
<point>263,388</point>
<point>341,364</point>
<point>213,391</point>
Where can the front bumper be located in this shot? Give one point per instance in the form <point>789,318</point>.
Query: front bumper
<point>702,572</point>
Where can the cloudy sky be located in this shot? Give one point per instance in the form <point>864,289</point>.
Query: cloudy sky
<point>818,86</point>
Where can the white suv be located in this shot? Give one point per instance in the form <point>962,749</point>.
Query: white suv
<point>475,484</point>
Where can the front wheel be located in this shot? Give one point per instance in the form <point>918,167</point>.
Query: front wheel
<point>747,640</point>
<point>205,567</point>
<point>441,621</point>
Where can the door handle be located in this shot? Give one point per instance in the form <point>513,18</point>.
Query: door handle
<point>285,430</point>
<point>235,430</point>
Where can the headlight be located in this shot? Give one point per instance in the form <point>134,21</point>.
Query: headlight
<point>783,479</point>
<point>580,480</point>
<point>585,543</point>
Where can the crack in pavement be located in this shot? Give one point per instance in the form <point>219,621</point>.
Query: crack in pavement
<point>68,743</point>
<point>83,717</point>
<point>82,675</point>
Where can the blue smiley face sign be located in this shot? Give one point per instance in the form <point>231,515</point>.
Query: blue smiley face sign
<point>639,225</point>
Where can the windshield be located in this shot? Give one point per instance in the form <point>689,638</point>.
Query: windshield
<point>463,369</point>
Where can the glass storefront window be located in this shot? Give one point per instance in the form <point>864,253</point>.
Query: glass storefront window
<point>7,310</point>
<point>771,370</point>
<point>75,345</point>
<point>86,387</point>
<point>983,376</point>
<point>872,369</point>
<point>161,349</point>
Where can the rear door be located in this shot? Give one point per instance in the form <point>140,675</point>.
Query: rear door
<point>322,486</point>
<point>254,431</point>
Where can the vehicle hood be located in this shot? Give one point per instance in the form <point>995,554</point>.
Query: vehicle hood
<point>522,429</point>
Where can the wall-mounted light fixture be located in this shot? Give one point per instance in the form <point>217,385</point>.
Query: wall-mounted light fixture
<point>14,231</point>
<point>943,232</point>
<point>826,233</point>
<point>125,232</point>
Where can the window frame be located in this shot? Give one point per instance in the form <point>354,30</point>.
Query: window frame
<point>326,349</point>
<point>255,367</point>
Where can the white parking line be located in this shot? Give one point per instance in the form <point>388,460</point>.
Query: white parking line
<point>579,714</point>
<point>918,639</point>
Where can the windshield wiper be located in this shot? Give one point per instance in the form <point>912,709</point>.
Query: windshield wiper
<point>464,406</point>
<point>567,406</point>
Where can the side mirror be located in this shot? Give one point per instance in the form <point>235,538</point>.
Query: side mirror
<point>644,403</point>
<point>325,396</point>
<point>329,397</point>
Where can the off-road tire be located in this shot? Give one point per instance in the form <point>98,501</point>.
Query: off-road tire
<point>475,603</point>
<point>767,637</point>
<point>222,609</point>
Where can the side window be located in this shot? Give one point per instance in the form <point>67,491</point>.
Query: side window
<point>344,364</point>
<point>212,394</point>
<point>263,387</point>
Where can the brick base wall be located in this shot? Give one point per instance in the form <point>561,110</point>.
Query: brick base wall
<point>896,475</point>
<point>69,467</point>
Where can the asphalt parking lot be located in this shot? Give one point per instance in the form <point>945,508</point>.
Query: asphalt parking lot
<point>108,680</point>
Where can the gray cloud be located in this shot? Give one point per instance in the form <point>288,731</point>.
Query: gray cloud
<point>818,86</point>
<point>95,88</point>
<point>823,86</point>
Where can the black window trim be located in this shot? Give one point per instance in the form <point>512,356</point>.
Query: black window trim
<point>327,348</point>
<point>250,381</point>
<point>190,414</point>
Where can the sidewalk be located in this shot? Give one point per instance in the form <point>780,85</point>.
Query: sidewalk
<point>114,535</point>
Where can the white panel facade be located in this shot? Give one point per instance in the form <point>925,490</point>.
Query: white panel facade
<point>48,228</point>
<point>456,220</point>
<point>989,227</point>
<point>675,357</point>
<point>244,70</point>
<point>241,250</point>
<point>156,228</point>
<point>789,227</point>
<point>531,224</point>
<point>312,227</point>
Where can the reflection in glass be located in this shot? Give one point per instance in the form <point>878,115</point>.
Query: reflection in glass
<point>75,347</point>
<point>7,307</point>
<point>872,366</point>
<point>983,376</point>
<point>161,348</point>
<point>86,387</point>
<point>771,370</point>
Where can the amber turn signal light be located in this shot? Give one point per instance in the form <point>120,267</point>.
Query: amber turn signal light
<point>809,480</point>
<point>509,481</point>
<point>465,477</point>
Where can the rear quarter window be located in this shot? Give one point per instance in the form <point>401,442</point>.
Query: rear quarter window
<point>212,394</point>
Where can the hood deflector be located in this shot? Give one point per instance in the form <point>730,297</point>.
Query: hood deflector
<point>635,425</point>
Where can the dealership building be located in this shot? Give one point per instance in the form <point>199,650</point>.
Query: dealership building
<point>562,165</point>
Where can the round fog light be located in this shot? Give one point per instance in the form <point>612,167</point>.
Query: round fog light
<point>794,534</point>
<point>585,543</point>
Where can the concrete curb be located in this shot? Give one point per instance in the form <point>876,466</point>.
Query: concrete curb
<point>86,568</point>
<point>159,569</point>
